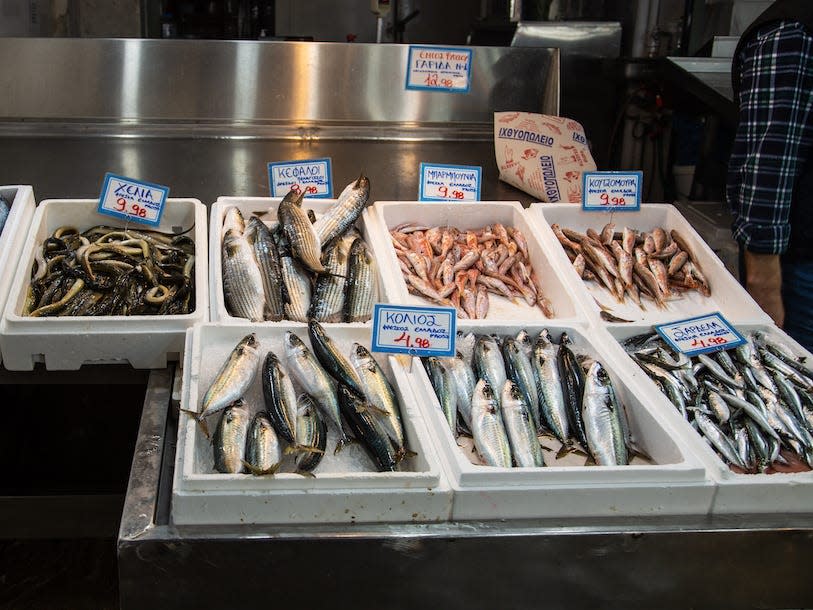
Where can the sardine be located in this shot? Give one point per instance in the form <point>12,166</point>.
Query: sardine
<point>488,430</point>
<point>233,379</point>
<point>718,439</point>
<point>229,440</point>
<point>263,449</point>
<point>280,398</point>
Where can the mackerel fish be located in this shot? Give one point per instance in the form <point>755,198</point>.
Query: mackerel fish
<point>487,427</point>
<point>233,379</point>
<point>520,426</point>
<point>603,419</point>
<point>263,449</point>
<point>280,398</point>
<point>229,440</point>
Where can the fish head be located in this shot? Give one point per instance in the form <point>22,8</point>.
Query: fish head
<point>233,220</point>
<point>249,341</point>
<point>293,341</point>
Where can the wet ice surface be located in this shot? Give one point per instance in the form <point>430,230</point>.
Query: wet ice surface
<point>352,458</point>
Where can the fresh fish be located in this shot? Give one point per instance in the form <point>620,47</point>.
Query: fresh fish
<point>311,432</point>
<point>263,449</point>
<point>488,362</point>
<point>300,233</point>
<point>718,439</point>
<point>602,415</point>
<point>445,389</point>
<point>464,382</point>
<point>242,281</point>
<point>717,371</point>
<point>297,288</point>
<point>309,374</point>
<point>761,447</point>
<point>718,406</point>
<point>367,429</point>
<point>753,411</point>
<point>327,304</point>
<point>349,206</point>
<point>233,221</point>
<point>488,430</point>
<point>379,392</point>
<point>280,398</point>
<point>520,427</point>
<point>229,441</point>
<point>332,359</point>
<point>572,380</point>
<point>747,355</point>
<point>362,285</point>
<point>233,379</point>
<point>465,345</point>
<point>774,362</point>
<point>267,257</point>
<point>519,370</point>
<point>552,408</point>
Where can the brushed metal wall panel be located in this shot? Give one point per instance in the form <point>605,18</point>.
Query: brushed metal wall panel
<point>239,81</point>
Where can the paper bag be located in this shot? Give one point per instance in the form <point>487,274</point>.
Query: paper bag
<point>542,155</point>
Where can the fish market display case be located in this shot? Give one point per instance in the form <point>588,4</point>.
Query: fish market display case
<point>204,118</point>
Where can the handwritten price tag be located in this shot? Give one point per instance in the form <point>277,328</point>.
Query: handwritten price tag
<point>417,331</point>
<point>710,333</point>
<point>132,200</point>
<point>449,182</point>
<point>439,69</point>
<point>612,191</point>
<point>312,176</point>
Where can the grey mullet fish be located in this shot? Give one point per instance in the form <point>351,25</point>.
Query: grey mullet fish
<point>267,257</point>
<point>350,204</point>
<point>362,287</point>
<point>242,281</point>
<point>300,233</point>
<point>327,304</point>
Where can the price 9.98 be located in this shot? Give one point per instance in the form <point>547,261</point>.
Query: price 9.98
<point>133,209</point>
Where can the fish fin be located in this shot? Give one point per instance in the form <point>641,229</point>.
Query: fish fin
<point>342,443</point>
<point>589,461</point>
<point>259,472</point>
<point>305,473</point>
<point>201,422</point>
<point>403,454</point>
<point>302,449</point>
<point>372,408</point>
<point>260,213</point>
<point>563,451</point>
<point>545,447</point>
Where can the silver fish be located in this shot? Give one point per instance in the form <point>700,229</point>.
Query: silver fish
<point>349,206</point>
<point>519,370</point>
<point>300,233</point>
<point>280,398</point>
<point>327,304</point>
<point>362,283</point>
<point>552,408</point>
<point>520,427</point>
<point>464,382</point>
<point>263,449</point>
<point>309,374</point>
<point>233,379</point>
<point>267,257</point>
<point>297,293</point>
<point>242,280</point>
<point>229,441</point>
<point>311,432</point>
<point>445,390</point>
<point>488,362</point>
<point>717,439</point>
<point>465,345</point>
<point>332,358</point>
<point>379,392</point>
<point>487,428</point>
<point>233,220</point>
<point>602,416</point>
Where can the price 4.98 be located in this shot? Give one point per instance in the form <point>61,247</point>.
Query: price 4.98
<point>133,209</point>
<point>710,342</point>
<point>408,341</point>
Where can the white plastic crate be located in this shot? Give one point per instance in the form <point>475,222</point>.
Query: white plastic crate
<point>736,493</point>
<point>12,238</point>
<point>248,206</point>
<point>65,343</point>
<point>385,215</point>
<point>727,295</point>
<point>675,483</point>
<point>339,493</point>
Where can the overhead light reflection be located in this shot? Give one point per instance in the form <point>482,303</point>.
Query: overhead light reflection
<point>246,72</point>
<point>130,77</point>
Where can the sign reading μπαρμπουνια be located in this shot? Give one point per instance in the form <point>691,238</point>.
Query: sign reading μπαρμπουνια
<point>709,333</point>
<point>449,182</point>
<point>439,69</point>
<point>132,200</point>
<point>611,191</point>
<point>310,176</point>
<point>417,331</point>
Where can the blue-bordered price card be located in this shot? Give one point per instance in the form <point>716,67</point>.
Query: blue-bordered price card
<point>439,69</point>
<point>709,333</point>
<point>417,331</point>
<point>612,191</point>
<point>132,200</point>
<point>449,182</point>
<point>311,176</point>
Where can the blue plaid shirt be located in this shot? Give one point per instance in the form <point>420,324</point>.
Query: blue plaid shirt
<point>774,136</point>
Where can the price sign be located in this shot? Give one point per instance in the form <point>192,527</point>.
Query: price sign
<point>439,69</point>
<point>710,333</point>
<point>612,191</point>
<point>311,176</point>
<point>449,182</point>
<point>417,331</point>
<point>132,200</point>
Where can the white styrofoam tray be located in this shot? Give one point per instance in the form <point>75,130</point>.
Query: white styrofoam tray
<point>385,215</point>
<point>736,493</point>
<point>727,295</point>
<point>248,206</point>
<point>674,483</point>
<point>67,342</point>
<point>347,487</point>
<point>21,198</point>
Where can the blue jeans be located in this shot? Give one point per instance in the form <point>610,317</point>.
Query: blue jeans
<point>797,297</point>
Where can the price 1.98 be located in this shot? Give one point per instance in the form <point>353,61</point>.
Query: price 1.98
<point>408,341</point>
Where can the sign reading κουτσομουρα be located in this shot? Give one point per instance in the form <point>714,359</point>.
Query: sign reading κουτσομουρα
<point>611,191</point>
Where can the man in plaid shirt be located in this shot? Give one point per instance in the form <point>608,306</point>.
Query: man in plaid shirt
<point>770,182</point>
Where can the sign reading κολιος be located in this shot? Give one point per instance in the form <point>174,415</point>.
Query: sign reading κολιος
<point>417,331</point>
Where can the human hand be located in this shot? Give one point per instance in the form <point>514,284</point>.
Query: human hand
<point>763,280</point>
